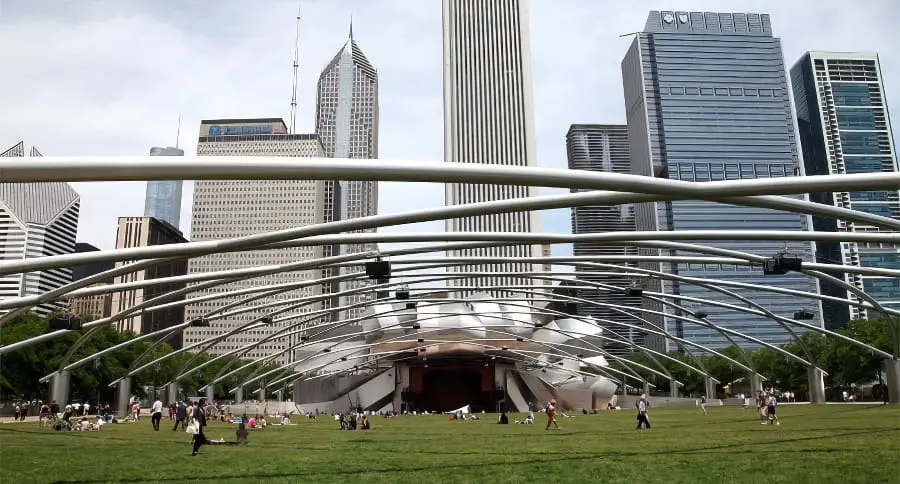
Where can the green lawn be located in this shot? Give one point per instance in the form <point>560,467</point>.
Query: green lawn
<point>814,444</point>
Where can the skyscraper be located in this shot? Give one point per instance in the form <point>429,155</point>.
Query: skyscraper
<point>347,125</point>
<point>488,119</point>
<point>844,127</point>
<point>706,97</point>
<point>146,232</point>
<point>36,220</point>
<point>233,208</point>
<point>163,200</point>
<point>603,147</point>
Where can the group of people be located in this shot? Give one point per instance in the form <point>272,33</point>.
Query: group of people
<point>74,409</point>
<point>353,421</point>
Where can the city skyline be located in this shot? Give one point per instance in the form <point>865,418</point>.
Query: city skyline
<point>187,78</point>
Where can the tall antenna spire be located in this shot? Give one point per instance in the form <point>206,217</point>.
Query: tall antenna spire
<point>178,132</point>
<point>296,72</point>
<point>351,26</point>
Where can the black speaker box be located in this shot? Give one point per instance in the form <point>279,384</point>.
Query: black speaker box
<point>379,269</point>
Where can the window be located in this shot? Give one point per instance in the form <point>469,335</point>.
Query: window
<point>851,94</point>
<point>857,143</point>
<point>882,209</point>
<point>864,164</point>
<point>878,196</point>
<point>884,289</point>
<point>849,118</point>
<point>882,260</point>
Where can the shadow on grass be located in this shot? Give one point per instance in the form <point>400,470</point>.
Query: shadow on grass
<point>507,462</point>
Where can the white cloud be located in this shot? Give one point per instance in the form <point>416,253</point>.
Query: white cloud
<point>110,78</point>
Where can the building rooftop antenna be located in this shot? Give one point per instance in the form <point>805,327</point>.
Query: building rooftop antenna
<point>296,73</point>
<point>178,132</point>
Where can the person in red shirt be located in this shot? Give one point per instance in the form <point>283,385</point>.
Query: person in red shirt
<point>551,415</point>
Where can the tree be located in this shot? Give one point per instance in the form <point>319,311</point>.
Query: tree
<point>21,369</point>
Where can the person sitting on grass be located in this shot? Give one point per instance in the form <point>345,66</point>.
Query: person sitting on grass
<point>504,419</point>
<point>241,434</point>
<point>364,425</point>
<point>529,420</point>
<point>240,437</point>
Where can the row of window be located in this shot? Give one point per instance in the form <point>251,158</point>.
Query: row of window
<point>882,289</point>
<point>864,143</point>
<point>882,260</point>
<point>728,171</point>
<point>868,164</point>
<point>856,118</point>
<point>881,209</point>
<point>851,94</point>
<point>719,91</point>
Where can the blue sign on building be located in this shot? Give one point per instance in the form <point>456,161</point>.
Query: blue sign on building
<point>239,130</point>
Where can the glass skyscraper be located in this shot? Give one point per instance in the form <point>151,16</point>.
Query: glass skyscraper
<point>347,125</point>
<point>844,127</point>
<point>706,96</point>
<point>163,200</point>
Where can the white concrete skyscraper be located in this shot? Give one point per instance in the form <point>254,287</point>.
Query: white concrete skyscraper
<point>36,220</point>
<point>347,125</point>
<point>234,208</point>
<point>488,119</point>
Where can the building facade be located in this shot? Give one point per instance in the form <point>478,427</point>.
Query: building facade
<point>489,119</point>
<point>146,232</point>
<point>604,147</point>
<point>163,199</point>
<point>844,127</point>
<point>94,306</point>
<point>234,208</point>
<point>91,269</point>
<point>36,220</point>
<point>706,97</point>
<point>347,125</point>
<point>91,307</point>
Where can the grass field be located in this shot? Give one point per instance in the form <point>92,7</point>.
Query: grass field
<point>814,444</point>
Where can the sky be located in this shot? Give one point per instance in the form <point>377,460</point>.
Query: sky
<point>111,77</point>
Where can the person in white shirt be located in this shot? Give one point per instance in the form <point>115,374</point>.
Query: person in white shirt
<point>156,414</point>
<point>87,408</point>
<point>642,405</point>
